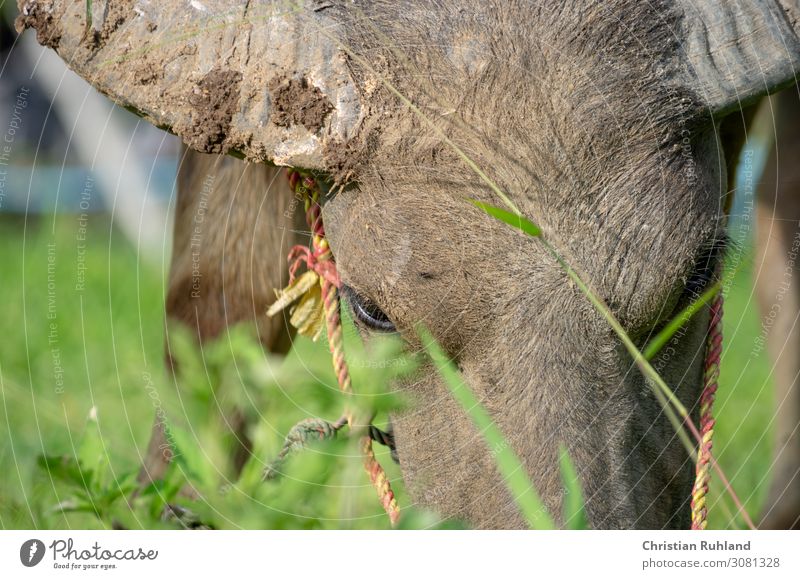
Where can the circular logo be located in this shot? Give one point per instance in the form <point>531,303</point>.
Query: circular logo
<point>31,552</point>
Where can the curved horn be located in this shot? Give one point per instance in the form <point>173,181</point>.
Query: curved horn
<point>252,77</point>
<point>739,50</point>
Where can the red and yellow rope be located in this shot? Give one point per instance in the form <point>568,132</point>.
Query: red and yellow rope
<point>710,381</point>
<point>319,262</point>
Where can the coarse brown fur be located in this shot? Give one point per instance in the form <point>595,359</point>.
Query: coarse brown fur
<point>574,123</point>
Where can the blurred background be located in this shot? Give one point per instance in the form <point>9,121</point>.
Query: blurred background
<point>85,201</point>
<point>86,193</point>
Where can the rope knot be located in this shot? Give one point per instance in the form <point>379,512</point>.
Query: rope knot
<point>315,297</point>
<point>319,260</point>
<point>299,437</point>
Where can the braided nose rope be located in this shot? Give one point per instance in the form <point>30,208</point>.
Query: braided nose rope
<point>710,380</point>
<point>317,294</point>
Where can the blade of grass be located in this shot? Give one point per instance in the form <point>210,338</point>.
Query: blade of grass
<point>509,465</point>
<point>676,323</point>
<point>513,219</point>
<point>574,512</point>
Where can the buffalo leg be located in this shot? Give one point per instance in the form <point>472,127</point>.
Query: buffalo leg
<point>234,225</point>
<point>778,292</point>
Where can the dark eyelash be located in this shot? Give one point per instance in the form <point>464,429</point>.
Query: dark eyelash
<point>367,312</point>
<point>706,265</point>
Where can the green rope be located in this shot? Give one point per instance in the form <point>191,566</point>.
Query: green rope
<point>299,437</point>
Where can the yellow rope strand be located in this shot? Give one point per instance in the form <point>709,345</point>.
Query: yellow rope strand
<point>319,260</point>
<point>707,422</point>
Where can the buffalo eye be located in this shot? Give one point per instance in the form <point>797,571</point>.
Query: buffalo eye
<point>705,266</point>
<point>367,312</point>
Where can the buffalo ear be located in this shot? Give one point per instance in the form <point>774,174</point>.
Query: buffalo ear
<point>265,80</point>
<point>735,51</point>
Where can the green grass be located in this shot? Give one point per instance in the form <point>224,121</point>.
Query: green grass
<point>110,346</point>
<point>105,336</point>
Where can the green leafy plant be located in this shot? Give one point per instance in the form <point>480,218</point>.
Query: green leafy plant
<point>89,476</point>
<point>574,507</point>
<point>323,487</point>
